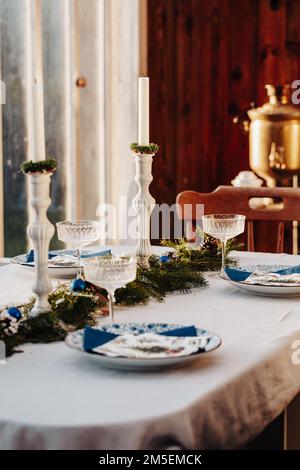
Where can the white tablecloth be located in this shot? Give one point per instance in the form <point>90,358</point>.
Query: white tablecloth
<point>54,398</point>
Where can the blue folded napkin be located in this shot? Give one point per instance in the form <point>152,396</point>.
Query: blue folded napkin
<point>238,276</point>
<point>84,254</point>
<point>92,338</point>
<point>92,254</point>
<point>30,256</point>
<point>184,331</point>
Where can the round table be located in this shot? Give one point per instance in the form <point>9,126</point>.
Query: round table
<point>52,397</point>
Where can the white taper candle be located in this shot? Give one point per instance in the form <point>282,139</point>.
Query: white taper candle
<point>143,130</point>
<point>38,117</point>
<point>38,89</point>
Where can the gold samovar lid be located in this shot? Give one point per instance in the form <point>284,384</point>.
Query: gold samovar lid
<point>278,108</point>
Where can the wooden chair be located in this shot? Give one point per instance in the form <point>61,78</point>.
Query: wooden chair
<point>231,200</point>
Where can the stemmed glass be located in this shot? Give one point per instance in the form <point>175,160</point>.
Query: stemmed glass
<point>110,273</point>
<point>223,227</point>
<point>77,234</point>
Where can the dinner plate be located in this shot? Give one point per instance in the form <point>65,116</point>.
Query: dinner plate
<point>75,341</point>
<point>266,291</point>
<point>58,271</point>
<point>54,271</point>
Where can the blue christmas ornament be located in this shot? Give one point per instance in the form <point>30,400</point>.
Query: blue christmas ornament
<point>77,285</point>
<point>14,312</point>
<point>164,259</point>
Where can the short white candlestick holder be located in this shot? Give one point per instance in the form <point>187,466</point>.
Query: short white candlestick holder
<point>143,203</point>
<point>40,231</point>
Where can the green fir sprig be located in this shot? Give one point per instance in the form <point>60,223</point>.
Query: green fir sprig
<point>144,149</point>
<point>69,311</point>
<point>41,166</point>
<point>180,271</point>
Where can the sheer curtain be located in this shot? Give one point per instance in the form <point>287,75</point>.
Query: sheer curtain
<point>90,64</point>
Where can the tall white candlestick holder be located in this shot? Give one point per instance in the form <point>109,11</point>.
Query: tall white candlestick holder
<point>143,203</point>
<point>40,231</point>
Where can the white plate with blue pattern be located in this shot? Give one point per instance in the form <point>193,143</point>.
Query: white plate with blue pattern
<point>264,290</point>
<point>63,270</point>
<point>75,341</point>
<point>68,269</point>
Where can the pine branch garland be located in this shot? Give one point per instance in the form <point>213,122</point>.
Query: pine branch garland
<point>180,271</point>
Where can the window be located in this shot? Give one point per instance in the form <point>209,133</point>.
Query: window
<point>88,128</point>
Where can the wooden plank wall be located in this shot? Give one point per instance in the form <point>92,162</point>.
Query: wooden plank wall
<point>208,59</point>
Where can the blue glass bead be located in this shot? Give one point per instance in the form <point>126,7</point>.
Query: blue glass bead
<point>14,312</point>
<point>77,285</point>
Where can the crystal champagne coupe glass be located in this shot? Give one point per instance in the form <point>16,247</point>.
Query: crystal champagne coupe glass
<point>77,234</point>
<point>223,227</point>
<point>110,273</point>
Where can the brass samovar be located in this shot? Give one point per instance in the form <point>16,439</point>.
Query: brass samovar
<point>274,137</point>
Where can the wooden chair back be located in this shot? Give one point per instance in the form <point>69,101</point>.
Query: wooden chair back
<point>231,200</point>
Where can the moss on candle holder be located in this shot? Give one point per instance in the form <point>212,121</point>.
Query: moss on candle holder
<point>144,149</point>
<point>41,166</point>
